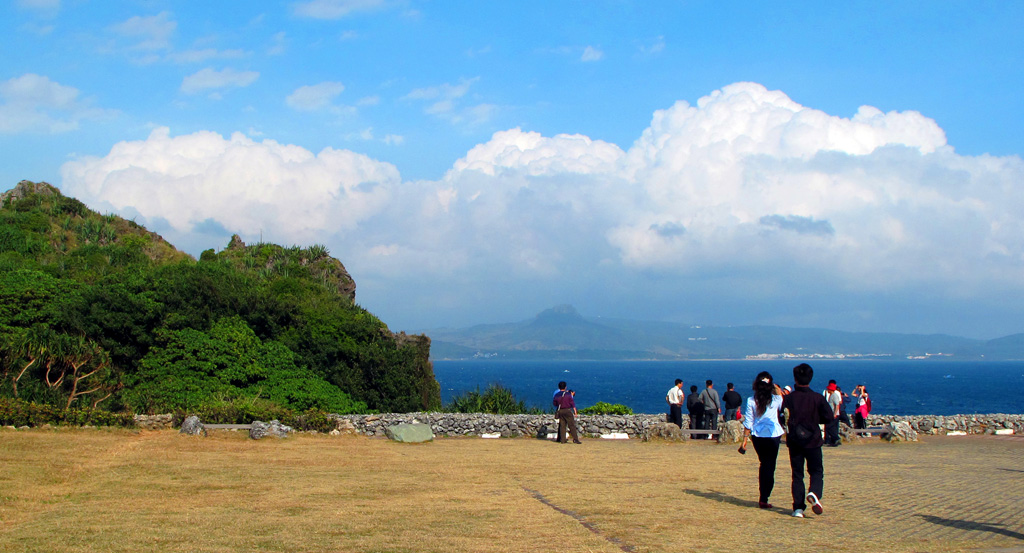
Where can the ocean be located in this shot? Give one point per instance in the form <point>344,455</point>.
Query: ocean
<point>898,387</point>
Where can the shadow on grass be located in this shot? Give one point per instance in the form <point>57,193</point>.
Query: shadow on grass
<point>970,525</point>
<point>1011,470</point>
<point>719,496</point>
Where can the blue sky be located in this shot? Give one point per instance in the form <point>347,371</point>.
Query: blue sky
<point>854,166</point>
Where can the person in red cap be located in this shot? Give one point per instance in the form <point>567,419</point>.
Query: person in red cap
<point>835,400</point>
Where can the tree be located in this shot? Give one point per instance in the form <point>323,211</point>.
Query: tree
<point>29,346</point>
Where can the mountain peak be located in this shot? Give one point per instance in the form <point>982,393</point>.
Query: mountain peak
<point>564,313</point>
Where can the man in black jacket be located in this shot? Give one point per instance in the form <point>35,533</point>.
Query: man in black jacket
<point>807,409</point>
<point>732,400</point>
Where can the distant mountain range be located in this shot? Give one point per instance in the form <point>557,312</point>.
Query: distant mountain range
<point>562,333</point>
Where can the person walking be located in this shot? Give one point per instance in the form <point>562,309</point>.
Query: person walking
<point>696,410</point>
<point>761,424</point>
<point>674,397</point>
<point>712,407</point>
<point>835,400</point>
<point>807,409</point>
<point>566,409</point>
<point>733,402</point>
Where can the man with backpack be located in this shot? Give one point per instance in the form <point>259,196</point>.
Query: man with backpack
<point>807,409</point>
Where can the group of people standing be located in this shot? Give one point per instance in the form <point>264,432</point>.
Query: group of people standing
<point>704,407</point>
<point>769,414</point>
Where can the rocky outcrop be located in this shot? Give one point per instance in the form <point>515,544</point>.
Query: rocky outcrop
<point>262,429</point>
<point>900,431</point>
<point>27,188</point>
<point>410,433</point>
<point>731,432</point>
<point>666,431</point>
<point>192,427</point>
<point>847,435</point>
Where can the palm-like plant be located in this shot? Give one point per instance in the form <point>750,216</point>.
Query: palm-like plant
<point>33,345</point>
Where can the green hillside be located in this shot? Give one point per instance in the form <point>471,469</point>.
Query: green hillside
<point>97,311</point>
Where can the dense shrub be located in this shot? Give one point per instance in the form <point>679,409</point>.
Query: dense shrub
<point>247,410</point>
<point>16,412</point>
<point>602,408</point>
<point>496,399</point>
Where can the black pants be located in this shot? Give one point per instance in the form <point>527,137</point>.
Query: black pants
<point>832,431</point>
<point>767,454</point>
<point>697,423</point>
<point>812,455</point>
<point>843,417</point>
<point>675,415</point>
<point>858,421</point>
<point>710,419</point>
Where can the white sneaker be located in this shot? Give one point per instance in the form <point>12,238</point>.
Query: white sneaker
<point>814,503</point>
<point>799,513</point>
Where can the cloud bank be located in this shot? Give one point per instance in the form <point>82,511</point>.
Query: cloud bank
<point>236,184</point>
<point>746,200</point>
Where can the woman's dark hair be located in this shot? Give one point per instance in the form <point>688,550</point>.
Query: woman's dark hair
<point>764,387</point>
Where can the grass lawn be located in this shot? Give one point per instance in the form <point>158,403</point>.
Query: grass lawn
<point>79,490</point>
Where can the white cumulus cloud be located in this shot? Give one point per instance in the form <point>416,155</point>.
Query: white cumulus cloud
<point>241,185</point>
<point>745,199</point>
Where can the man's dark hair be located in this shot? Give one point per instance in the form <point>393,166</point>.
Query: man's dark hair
<point>708,382</point>
<point>562,385</point>
<point>802,374</point>
<point>728,386</point>
<point>693,388</point>
<point>831,381</point>
<point>678,382</point>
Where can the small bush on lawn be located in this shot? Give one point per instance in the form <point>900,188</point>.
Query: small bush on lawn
<point>602,408</point>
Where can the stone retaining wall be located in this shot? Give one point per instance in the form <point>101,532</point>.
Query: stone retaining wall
<point>466,424</point>
<point>459,424</point>
<point>970,424</point>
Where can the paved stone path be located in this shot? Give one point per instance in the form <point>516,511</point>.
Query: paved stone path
<point>963,493</point>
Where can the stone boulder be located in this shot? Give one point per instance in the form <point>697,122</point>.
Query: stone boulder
<point>900,432</point>
<point>730,432</point>
<point>343,426</point>
<point>667,431</point>
<point>847,435</point>
<point>410,433</point>
<point>192,427</point>
<point>260,429</point>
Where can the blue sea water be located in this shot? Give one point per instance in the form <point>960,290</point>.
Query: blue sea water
<point>900,387</point>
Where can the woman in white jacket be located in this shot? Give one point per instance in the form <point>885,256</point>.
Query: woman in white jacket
<point>761,424</point>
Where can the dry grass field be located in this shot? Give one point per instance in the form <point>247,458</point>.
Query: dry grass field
<point>120,491</point>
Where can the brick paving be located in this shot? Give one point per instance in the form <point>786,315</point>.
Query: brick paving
<point>963,493</point>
